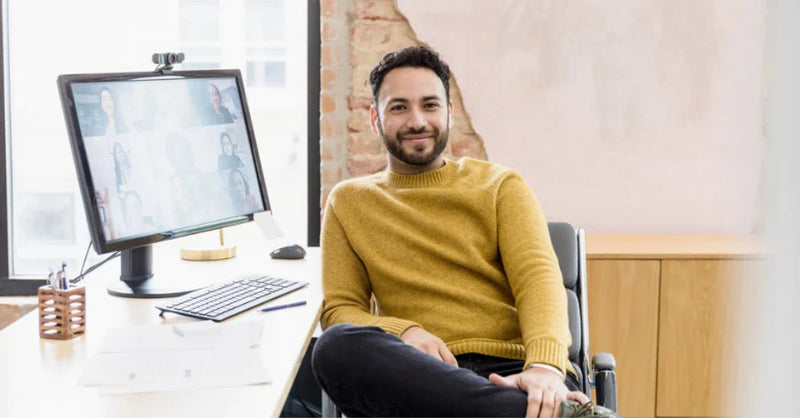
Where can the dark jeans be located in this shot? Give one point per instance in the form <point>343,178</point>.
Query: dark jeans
<point>367,372</point>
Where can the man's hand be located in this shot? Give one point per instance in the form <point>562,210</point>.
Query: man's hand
<point>428,343</point>
<point>545,390</point>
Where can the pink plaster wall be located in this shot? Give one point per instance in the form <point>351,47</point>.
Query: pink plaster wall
<point>623,116</point>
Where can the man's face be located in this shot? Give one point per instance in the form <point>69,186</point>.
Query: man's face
<point>412,116</point>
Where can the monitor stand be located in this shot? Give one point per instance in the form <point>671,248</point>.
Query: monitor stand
<point>137,279</point>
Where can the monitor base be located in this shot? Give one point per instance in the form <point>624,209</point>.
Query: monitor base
<point>137,279</point>
<point>149,289</point>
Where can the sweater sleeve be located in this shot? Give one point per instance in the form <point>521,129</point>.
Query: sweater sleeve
<point>346,286</point>
<point>533,274</point>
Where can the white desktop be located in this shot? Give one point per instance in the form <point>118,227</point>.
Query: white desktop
<point>160,157</point>
<point>39,377</point>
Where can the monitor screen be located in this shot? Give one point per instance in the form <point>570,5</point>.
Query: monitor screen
<point>160,156</point>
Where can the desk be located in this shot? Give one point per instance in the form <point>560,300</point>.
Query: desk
<point>39,377</point>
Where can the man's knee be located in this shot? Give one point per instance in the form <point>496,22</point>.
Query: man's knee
<point>336,332</point>
<point>341,346</point>
<point>330,351</point>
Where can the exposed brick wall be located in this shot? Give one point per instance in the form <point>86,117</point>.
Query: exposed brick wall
<point>355,36</point>
<point>337,16</point>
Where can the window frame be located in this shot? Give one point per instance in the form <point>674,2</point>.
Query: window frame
<point>11,286</point>
<point>314,62</point>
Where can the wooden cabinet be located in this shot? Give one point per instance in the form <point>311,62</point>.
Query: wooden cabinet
<point>623,320</point>
<point>667,307</point>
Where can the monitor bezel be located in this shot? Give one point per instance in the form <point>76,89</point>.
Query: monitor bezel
<point>86,183</point>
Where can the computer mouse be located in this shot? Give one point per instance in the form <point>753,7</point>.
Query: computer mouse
<point>288,252</point>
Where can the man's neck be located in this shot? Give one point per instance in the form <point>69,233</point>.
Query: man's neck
<point>399,167</point>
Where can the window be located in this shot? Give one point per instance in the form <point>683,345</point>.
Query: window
<point>265,39</point>
<point>200,33</point>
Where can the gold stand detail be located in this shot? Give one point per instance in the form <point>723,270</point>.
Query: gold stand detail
<point>223,252</point>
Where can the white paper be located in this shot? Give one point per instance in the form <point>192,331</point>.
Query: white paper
<point>190,335</point>
<point>149,371</point>
<point>177,357</point>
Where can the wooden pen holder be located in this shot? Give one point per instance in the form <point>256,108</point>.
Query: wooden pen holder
<point>62,313</point>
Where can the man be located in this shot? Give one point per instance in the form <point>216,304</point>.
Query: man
<point>471,310</point>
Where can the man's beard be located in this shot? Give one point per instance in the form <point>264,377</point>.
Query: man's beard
<point>393,145</point>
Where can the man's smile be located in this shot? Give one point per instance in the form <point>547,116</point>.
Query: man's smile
<point>421,137</point>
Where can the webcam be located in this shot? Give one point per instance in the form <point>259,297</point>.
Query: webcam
<point>168,58</point>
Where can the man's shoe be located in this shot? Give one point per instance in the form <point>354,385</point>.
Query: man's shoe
<point>576,409</point>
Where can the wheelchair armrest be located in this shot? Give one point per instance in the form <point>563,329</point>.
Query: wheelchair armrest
<point>602,362</point>
<point>605,380</point>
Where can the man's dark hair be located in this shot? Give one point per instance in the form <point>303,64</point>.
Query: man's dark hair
<point>413,56</point>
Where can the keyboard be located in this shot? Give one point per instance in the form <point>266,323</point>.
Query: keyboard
<point>219,302</point>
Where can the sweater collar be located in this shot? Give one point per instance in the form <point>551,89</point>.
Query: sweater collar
<point>431,178</point>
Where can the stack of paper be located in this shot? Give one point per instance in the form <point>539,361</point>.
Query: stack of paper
<point>177,357</point>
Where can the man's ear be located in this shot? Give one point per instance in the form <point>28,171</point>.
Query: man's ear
<point>373,119</point>
<point>450,115</point>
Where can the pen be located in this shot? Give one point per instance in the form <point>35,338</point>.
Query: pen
<point>63,282</point>
<point>288,305</point>
<point>52,279</point>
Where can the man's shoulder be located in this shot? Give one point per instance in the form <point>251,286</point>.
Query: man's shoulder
<point>487,170</point>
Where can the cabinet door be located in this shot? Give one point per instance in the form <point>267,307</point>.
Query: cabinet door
<point>699,350</point>
<point>623,320</point>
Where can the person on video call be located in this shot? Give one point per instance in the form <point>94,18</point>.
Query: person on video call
<point>180,154</point>
<point>122,168</point>
<point>133,216</point>
<point>217,113</point>
<point>243,200</point>
<point>111,121</point>
<point>472,313</point>
<point>185,205</point>
<point>227,159</point>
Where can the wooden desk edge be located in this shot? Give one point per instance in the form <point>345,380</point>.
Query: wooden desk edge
<point>675,246</point>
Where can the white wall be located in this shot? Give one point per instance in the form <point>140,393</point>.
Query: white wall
<point>770,319</point>
<point>623,116</point>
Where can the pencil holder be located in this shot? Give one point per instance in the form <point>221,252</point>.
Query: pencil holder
<point>62,313</point>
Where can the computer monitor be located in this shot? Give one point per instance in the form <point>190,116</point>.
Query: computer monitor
<point>160,156</point>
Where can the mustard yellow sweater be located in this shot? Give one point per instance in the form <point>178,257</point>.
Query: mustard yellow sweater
<point>462,251</point>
